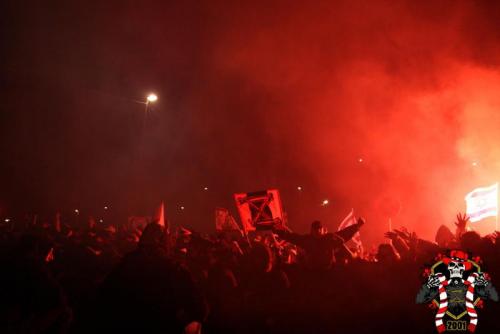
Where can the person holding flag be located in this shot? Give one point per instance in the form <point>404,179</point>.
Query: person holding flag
<point>322,249</point>
<point>349,230</point>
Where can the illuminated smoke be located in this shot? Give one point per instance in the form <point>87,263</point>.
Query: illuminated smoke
<point>380,106</point>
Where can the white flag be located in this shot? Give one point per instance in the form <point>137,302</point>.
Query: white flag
<point>348,221</point>
<point>482,203</point>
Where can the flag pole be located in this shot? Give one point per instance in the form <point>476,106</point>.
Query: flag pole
<point>390,229</point>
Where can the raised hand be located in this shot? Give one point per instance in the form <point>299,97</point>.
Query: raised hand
<point>403,233</point>
<point>391,235</point>
<point>462,221</point>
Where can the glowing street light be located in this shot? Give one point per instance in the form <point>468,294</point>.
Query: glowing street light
<point>299,188</point>
<point>7,220</point>
<point>182,208</point>
<point>360,160</point>
<point>206,188</point>
<point>152,98</point>
<point>77,211</point>
<point>325,202</point>
<point>105,208</point>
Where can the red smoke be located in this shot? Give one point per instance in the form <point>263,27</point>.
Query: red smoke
<point>406,87</point>
<point>260,95</point>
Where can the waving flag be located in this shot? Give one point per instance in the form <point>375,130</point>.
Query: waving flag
<point>482,203</point>
<point>160,214</point>
<point>224,221</point>
<point>349,220</point>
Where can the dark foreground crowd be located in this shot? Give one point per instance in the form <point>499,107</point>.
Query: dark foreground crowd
<point>125,279</point>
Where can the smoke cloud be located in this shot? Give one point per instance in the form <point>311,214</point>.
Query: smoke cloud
<point>387,107</point>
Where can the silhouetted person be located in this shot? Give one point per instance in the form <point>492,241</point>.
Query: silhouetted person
<point>387,254</point>
<point>31,300</point>
<point>266,291</point>
<point>148,292</point>
<point>319,246</point>
<point>471,241</point>
<point>445,238</point>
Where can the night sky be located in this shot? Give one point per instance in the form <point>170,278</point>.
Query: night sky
<point>252,95</point>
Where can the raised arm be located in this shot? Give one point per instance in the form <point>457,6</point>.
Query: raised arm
<point>347,233</point>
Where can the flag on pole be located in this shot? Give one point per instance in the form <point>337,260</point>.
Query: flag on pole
<point>259,209</point>
<point>482,203</point>
<point>160,216</point>
<point>224,221</point>
<point>349,220</point>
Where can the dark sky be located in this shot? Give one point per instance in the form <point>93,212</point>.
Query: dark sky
<point>252,95</point>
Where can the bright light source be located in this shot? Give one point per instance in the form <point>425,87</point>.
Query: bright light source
<point>101,221</point>
<point>77,211</point>
<point>474,163</point>
<point>360,160</point>
<point>206,188</point>
<point>7,220</point>
<point>182,208</point>
<point>299,188</point>
<point>105,208</point>
<point>152,97</point>
<point>325,202</point>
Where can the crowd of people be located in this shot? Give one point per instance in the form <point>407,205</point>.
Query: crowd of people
<point>62,278</point>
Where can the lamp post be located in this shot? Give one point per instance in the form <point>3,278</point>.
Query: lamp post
<point>151,98</point>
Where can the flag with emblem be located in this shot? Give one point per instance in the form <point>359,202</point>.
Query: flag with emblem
<point>260,209</point>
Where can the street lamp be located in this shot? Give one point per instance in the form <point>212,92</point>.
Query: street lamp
<point>152,98</point>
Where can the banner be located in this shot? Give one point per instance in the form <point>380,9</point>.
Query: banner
<point>482,203</point>
<point>259,210</point>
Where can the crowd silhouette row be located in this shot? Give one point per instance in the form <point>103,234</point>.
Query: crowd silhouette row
<point>110,278</point>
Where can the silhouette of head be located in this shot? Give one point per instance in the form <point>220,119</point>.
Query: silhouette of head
<point>152,236</point>
<point>387,254</point>
<point>317,228</point>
